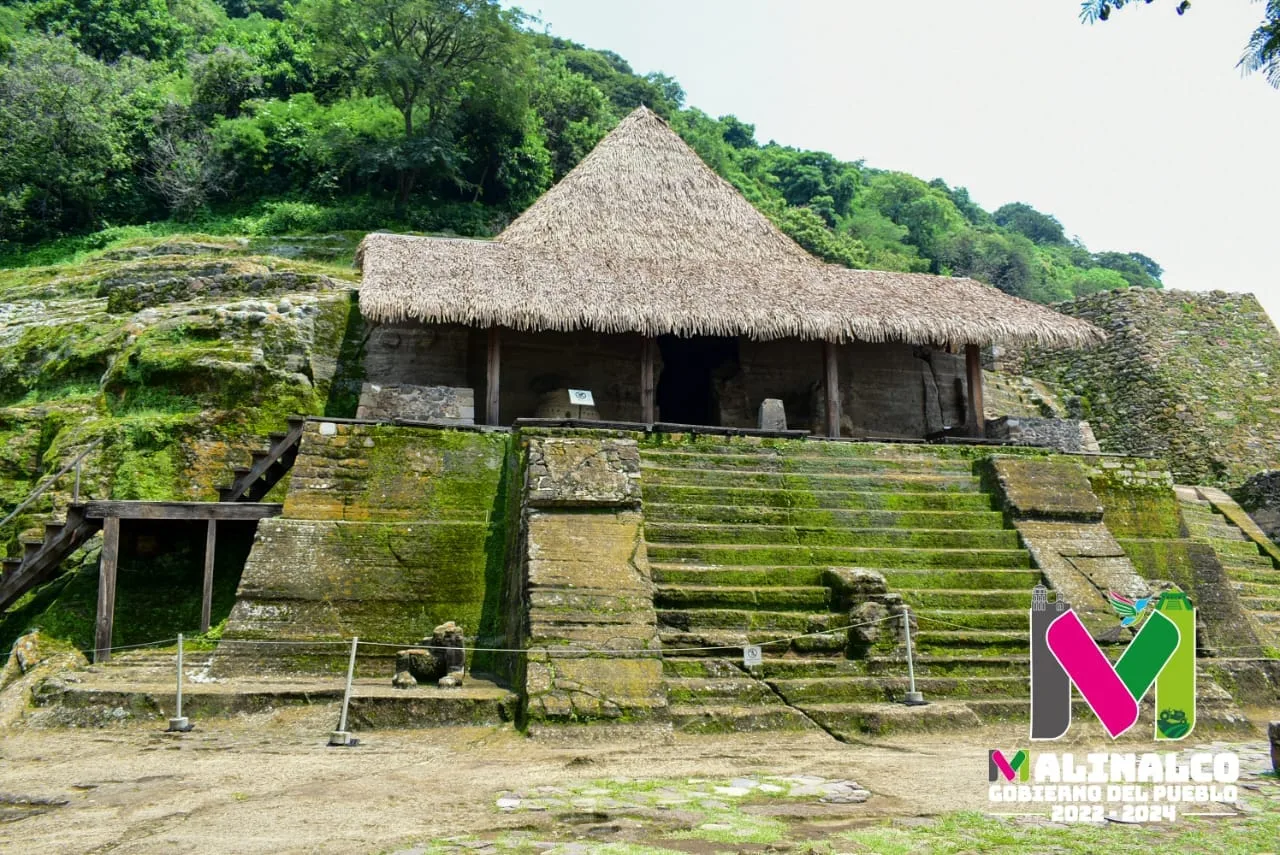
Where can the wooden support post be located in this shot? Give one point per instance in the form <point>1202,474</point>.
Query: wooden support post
<point>206,594</point>
<point>973,372</point>
<point>647,388</point>
<point>107,588</point>
<point>493,376</point>
<point>831,352</point>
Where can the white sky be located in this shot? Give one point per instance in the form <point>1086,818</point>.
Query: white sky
<point>1138,133</point>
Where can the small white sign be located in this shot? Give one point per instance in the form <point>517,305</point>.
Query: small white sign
<point>581,398</point>
<point>752,656</point>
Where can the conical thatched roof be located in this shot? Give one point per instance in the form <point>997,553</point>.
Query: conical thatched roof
<point>643,237</point>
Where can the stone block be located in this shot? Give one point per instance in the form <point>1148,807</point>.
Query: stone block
<point>853,585</point>
<point>582,471</point>
<point>773,416</point>
<point>1068,435</point>
<point>1055,488</point>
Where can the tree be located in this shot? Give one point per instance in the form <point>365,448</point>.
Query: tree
<point>108,29</point>
<point>66,121</point>
<point>1026,220</point>
<point>1261,53</point>
<point>421,55</point>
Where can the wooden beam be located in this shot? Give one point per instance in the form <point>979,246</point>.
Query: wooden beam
<point>648,411</point>
<point>129,510</point>
<point>973,372</point>
<point>206,593</point>
<point>831,352</point>
<point>107,589</point>
<point>493,377</point>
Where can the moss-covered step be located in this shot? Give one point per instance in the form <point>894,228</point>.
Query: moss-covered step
<point>1203,531</point>
<point>699,718</point>
<point>901,500</point>
<point>966,598</point>
<point>741,690</point>
<point>1259,589</point>
<point>807,598</point>
<point>706,533</point>
<point>959,483</point>
<point>724,643</point>
<point>1246,549</point>
<point>806,463</point>
<point>848,721</point>
<point>693,574</point>
<point>921,579</point>
<point>658,444</point>
<point>661,512</point>
<point>703,667</point>
<point>942,665</point>
<point>1246,562</point>
<point>839,690</point>
<point>835,556</point>
<point>749,619</point>
<point>969,641</point>
<point>1010,619</point>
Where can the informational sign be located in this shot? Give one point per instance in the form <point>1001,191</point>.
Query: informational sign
<point>581,398</point>
<point>752,656</point>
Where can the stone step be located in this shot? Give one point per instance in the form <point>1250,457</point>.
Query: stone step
<point>875,481</point>
<point>915,580</point>
<point>849,720</point>
<point>707,575</point>
<point>728,643</point>
<point>1233,561</point>
<point>658,512</point>
<point>817,447</point>
<point>807,598</point>
<point>966,598</point>
<point>742,690</point>
<point>1246,549</point>
<point>1259,589</point>
<point>1271,619</point>
<point>839,690</point>
<point>768,535</point>
<point>702,667</point>
<point>797,667</point>
<point>954,642</point>
<point>802,463</point>
<point>1262,604</point>
<point>840,556</point>
<point>699,718</point>
<point>1010,619</point>
<point>900,500</point>
<point>1212,531</point>
<point>778,622</point>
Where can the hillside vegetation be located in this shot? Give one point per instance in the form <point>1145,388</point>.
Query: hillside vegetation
<point>263,117</point>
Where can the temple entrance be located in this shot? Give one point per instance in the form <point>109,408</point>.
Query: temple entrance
<point>686,392</point>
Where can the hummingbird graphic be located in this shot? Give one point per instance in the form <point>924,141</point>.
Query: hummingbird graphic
<point>1130,611</point>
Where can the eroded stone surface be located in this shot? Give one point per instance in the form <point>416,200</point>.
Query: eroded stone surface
<point>577,471</point>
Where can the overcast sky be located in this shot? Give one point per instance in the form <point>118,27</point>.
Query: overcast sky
<point>1138,133</point>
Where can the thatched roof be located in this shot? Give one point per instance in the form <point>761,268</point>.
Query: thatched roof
<point>643,237</point>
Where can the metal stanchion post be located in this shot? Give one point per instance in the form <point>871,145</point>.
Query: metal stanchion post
<point>913,698</point>
<point>179,723</point>
<point>341,737</point>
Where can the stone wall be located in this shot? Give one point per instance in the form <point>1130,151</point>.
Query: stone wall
<point>1193,378</point>
<point>418,354</point>
<point>443,405</point>
<point>1067,435</point>
<point>579,591</point>
<point>386,533</point>
<point>887,389</point>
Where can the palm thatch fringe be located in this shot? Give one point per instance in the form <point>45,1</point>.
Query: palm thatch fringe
<point>643,237</point>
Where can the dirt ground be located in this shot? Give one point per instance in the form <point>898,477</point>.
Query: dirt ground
<point>270,784</point>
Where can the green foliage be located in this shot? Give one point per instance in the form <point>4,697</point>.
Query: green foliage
<point>109,29</point>
<point>1026,220</point>
<point>418,115</point>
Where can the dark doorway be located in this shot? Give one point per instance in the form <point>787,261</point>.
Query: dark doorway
<point>686,390</point>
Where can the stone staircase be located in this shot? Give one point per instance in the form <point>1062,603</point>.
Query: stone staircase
<point>1253,574</point>
<point>740,536</point>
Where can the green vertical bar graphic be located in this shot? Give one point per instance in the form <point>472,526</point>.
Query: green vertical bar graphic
<point>1148,653</point>
<point>1176,685</point>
